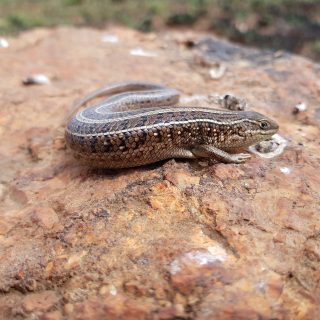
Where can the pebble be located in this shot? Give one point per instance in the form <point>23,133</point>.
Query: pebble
<point>39,79</point>
<point>4,43</point>
<point>74,260</point>
<point>300,107</point>
<point>278,144</point>
<point>42,301</point>
<point>142,53</point>
<point>45,216</point>
<point>217,72</point>
<point>54,315</point>
<point>110,38</point>
<point>285,170</point>
<point>232,102</point>
<point>266,146</point>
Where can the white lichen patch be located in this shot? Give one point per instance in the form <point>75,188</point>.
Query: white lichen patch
<point>110,38</point>
<point>218,252</point>
<point>260,286</point>
<point>200,258</point>
<point>4,43</point>
<point>142,53</point>
<point>203,258</point>
<point>285,170</point>
<point>113,290</point>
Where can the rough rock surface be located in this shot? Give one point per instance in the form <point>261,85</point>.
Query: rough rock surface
<point>179,239</point>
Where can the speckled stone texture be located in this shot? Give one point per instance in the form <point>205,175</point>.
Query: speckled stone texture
<point>175,240</point>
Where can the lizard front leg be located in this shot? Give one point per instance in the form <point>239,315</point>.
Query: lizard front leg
<point>209,151</point>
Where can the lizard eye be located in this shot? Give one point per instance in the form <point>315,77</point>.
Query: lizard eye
<point>264,125</point>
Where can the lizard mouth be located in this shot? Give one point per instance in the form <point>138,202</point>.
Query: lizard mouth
<point>270,132</point>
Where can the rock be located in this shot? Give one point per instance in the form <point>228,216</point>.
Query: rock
<point>68,309</point>
<point>39,143</point>
<point>54,315</point>
<point>45,216</point>
<point>18,196</point>
<point>176,239</point>
<point>197,267</point>
<point>181,178</point>
<point>135,288</point>
<point>223,172</point>
<point>40,301</point>
<point>109,308</point>
<point>2,191</point>
<point>5,227</point>
<point>74,260</point>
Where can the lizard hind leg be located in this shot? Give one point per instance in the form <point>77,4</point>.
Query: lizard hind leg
<point>182,153</point>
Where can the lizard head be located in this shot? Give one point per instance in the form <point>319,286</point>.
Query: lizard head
<point>257,127</point>
<point>250,128</point>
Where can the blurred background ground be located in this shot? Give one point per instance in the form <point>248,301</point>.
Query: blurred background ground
<point>292,25</point>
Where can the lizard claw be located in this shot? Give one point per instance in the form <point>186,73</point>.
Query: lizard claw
<point>240,157</point>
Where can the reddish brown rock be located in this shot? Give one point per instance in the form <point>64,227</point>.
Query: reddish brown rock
<point>45,216</point>
<point>181,238</point>
<point>181,178</point>
<point>54,315</point>
<point>224,172</point>
<point>111,308</point>
<point>40,301</point>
